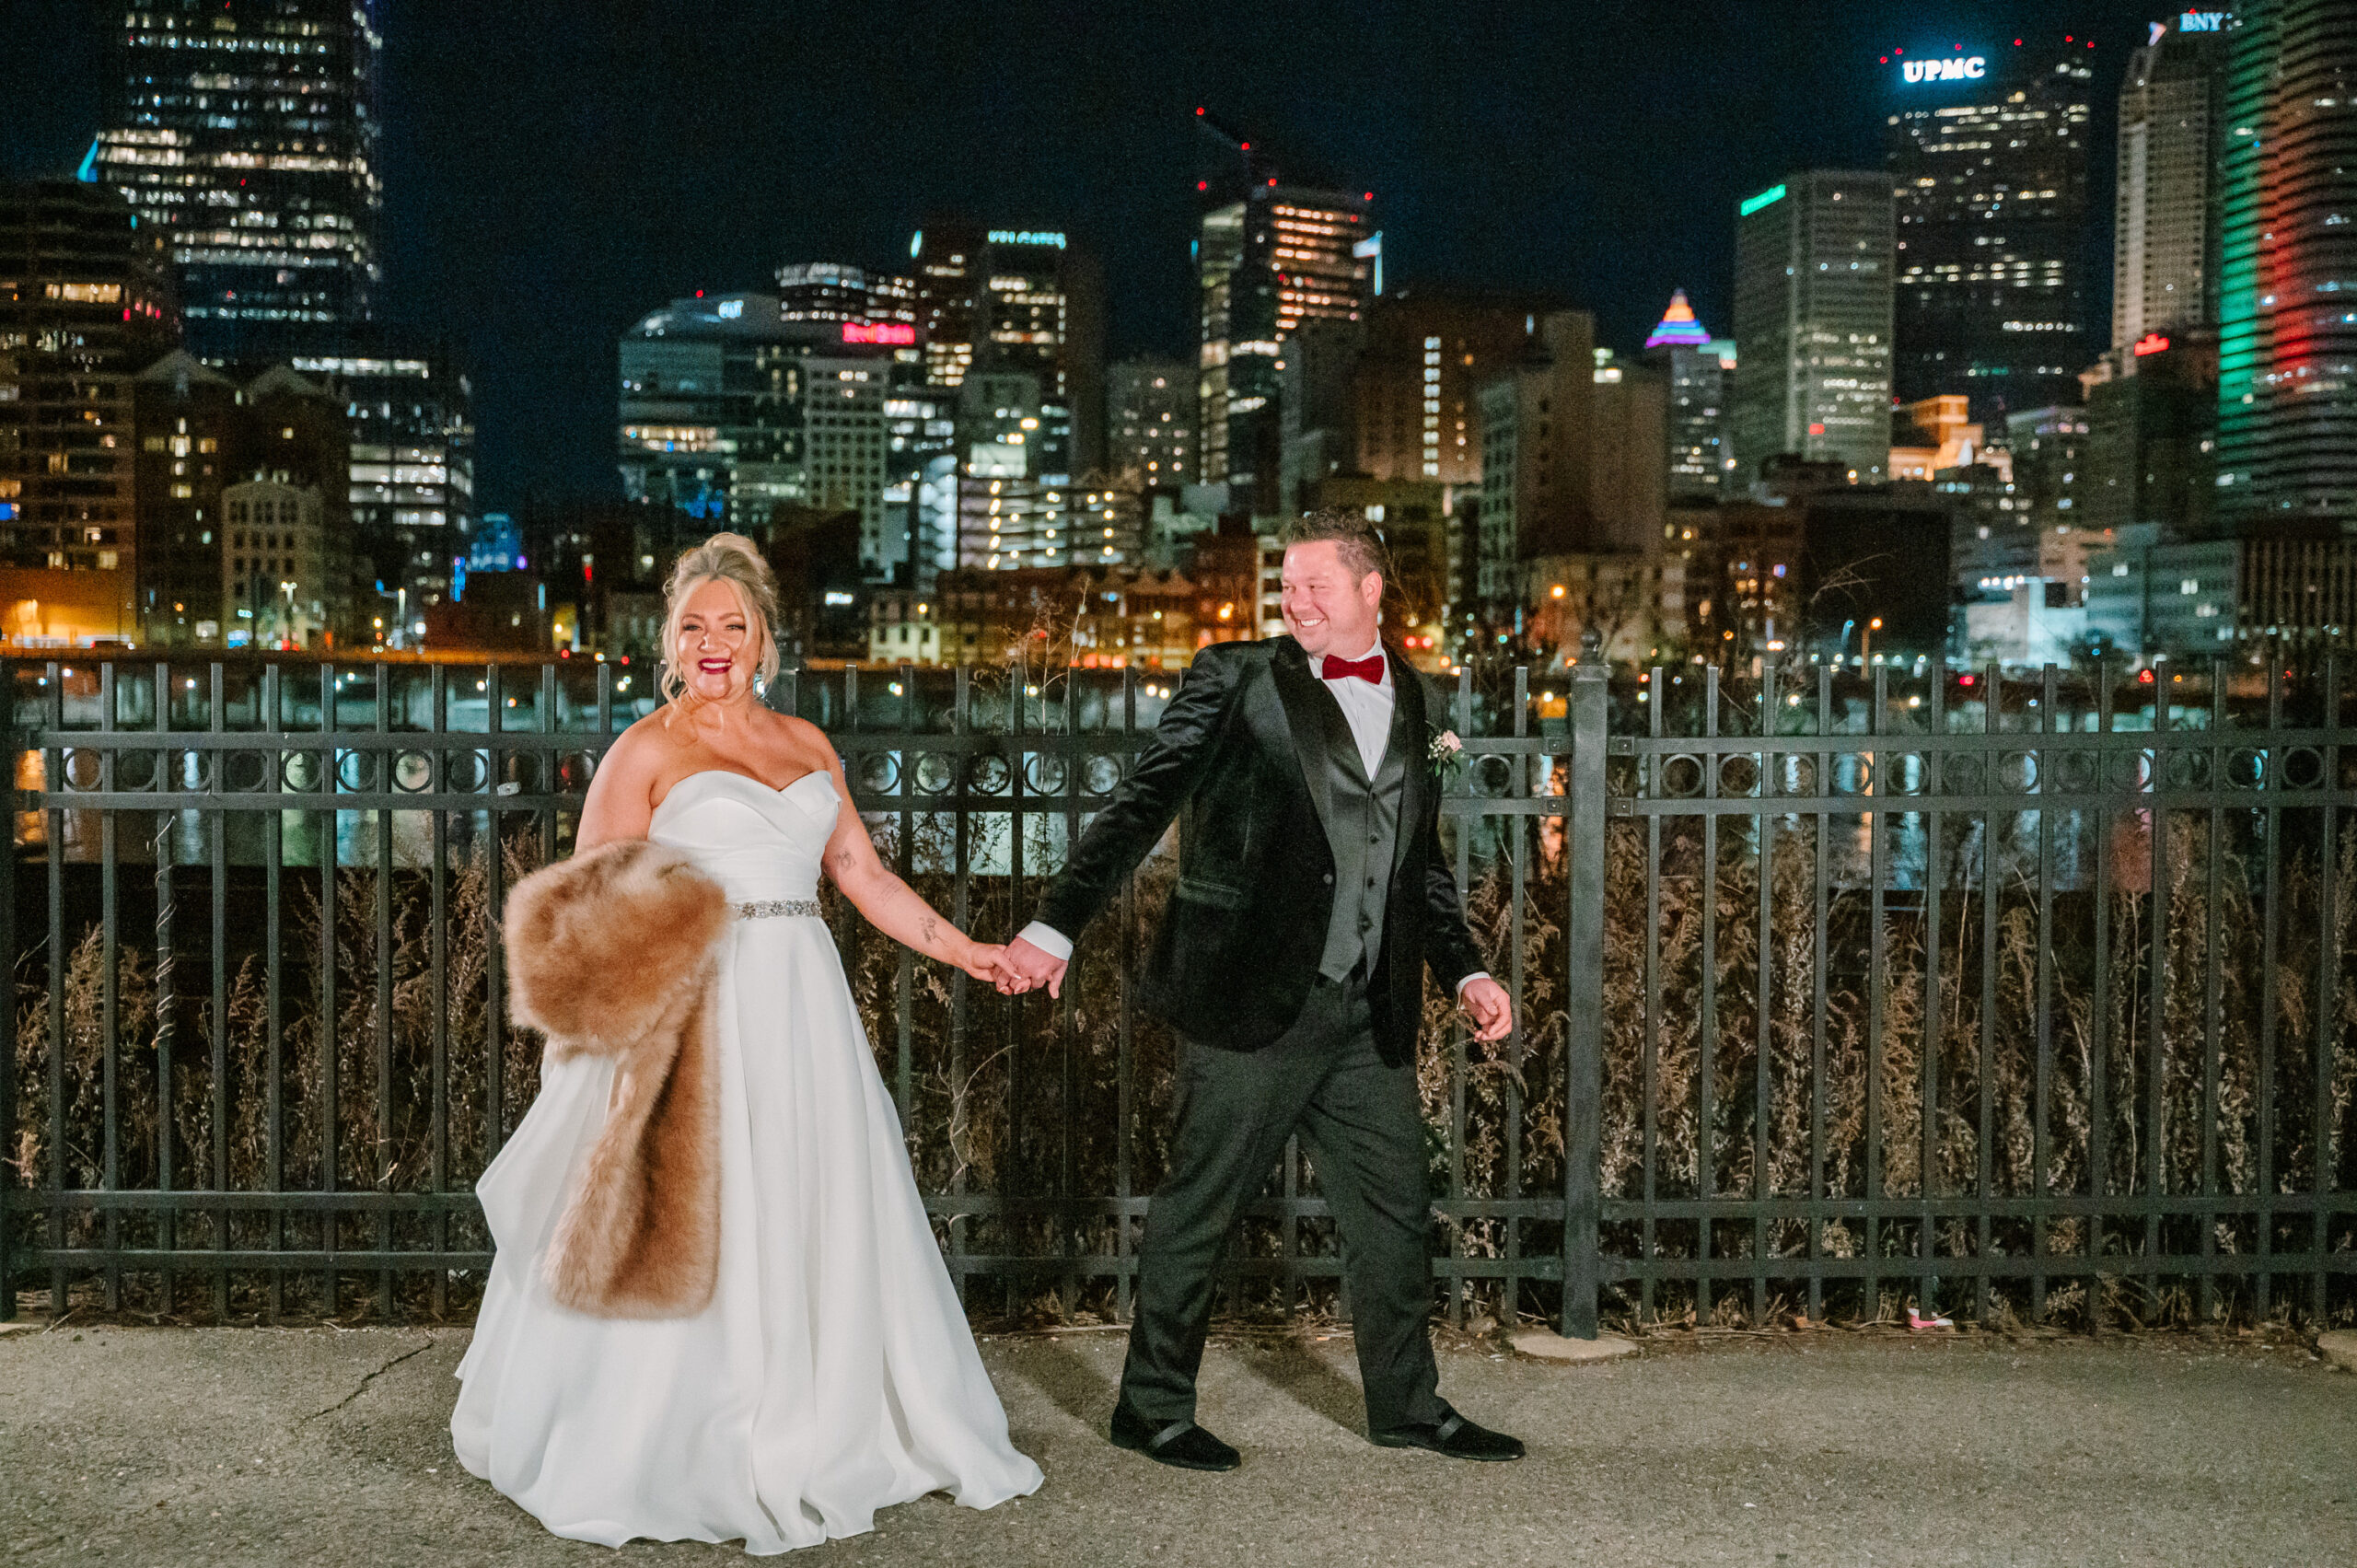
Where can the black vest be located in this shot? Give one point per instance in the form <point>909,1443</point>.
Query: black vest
<point>1364,831</point>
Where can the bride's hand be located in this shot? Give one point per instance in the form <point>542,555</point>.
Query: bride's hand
<point>986,961</point>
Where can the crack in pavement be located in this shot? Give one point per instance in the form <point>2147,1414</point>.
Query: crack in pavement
<point>362,1386</point>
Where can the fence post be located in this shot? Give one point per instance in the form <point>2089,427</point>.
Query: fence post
<point>9,1220</point>
<point>1583,992</point>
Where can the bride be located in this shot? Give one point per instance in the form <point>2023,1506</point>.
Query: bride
<point>832,1372</point>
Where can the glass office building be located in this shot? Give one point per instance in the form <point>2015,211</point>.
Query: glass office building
<point>1988,154</point>
<point>248,135</point>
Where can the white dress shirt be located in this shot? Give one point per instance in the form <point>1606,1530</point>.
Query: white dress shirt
<point>1366,706</point>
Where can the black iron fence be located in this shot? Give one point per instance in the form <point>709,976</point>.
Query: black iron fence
<point>1836,991</point>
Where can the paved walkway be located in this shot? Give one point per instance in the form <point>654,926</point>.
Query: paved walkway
<point>157,1447</point>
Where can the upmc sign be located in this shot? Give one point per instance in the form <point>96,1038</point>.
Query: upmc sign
<point>1963,68</point>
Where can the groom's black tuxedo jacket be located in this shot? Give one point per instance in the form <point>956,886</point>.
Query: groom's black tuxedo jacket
<point>1241,758</point>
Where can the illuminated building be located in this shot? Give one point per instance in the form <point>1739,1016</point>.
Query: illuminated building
<point>1633,603</point>
<point>1628,456</point>
<point>1812,314</point>
<point>2049,449</point>
<point>1278,258</point>
<point>830,291</point>
<point>1988,152</point>
<point>999,300</point>
<point>275,561</point>
<point>246,134</point>
<point>412,492</point>
<point>278,444</point>
<point>1150,423</point>
<point>1697,368</point>
<point>1007,523</point>
<point>2287,272</point>
<point>1931,434</point>
<point>1537,430</point>
<point>2148,438</point>
<point>83,308</point>
<point>2162,233</point>
<point>729,410</point>
<point>1418,383</point>
<point>921,483</point>
<point>1093,617</point>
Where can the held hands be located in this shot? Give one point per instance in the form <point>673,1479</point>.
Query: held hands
<point>996,964</point>
<point>1486,1002</point>
<point>1025,968</point>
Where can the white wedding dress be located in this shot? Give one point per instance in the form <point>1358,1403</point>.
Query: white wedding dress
<point>833,1373</point>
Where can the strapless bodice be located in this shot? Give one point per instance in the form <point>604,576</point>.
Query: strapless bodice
<point>757,842</point>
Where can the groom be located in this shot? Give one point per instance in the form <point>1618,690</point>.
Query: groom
<point>1311,895</point>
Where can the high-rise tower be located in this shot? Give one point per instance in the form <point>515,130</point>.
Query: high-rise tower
<point>1017,301</point>
<point>1988,151</point>
<point>2287,271</point>
<point>84,307</point>
<point>1697,367</point>
<point>246,132</point>
<point>1813,316</point>
<point>1277,258</point>
<point>2162,230</point>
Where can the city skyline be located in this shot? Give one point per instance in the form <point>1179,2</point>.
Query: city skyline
<point>1520,175</point>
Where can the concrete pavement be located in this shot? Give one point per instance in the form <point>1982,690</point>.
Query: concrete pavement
<point>157,1447</point>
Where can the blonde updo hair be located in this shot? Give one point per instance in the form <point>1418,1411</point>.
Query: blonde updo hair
<point>725,558</point>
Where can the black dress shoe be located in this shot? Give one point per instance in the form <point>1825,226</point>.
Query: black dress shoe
<point>1180,1443</point>
<point>1453,1435</point>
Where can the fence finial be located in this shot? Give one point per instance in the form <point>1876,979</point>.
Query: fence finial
<point>1591,646</point>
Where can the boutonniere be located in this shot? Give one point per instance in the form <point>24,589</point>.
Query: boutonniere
<point>1446,753</point>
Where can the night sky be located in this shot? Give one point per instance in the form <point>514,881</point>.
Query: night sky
<point>554,171</point>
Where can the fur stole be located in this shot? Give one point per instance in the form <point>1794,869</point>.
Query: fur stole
<point>614,953</point>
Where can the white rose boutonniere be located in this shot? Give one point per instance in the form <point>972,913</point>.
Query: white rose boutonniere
<point>1446,754</point>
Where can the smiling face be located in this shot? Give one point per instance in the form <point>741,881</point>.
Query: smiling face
<point>718,648</point>
<point>1329,607</point>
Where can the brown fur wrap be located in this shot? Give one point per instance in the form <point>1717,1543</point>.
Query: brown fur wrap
<point>615,953</point>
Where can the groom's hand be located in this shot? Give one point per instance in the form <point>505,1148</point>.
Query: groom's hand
<point>1036,967</point>
<point>1485,1001</point>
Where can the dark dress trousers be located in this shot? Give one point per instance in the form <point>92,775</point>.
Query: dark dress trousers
<point>1310,899</point>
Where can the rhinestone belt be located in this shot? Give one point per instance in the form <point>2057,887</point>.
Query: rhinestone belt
<point>762,909</point>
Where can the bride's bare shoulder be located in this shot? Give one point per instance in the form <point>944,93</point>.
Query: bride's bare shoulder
<point>643,746</point>
<point>807,740</point>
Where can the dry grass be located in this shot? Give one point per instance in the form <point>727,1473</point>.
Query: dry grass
<point>1025,1100</point>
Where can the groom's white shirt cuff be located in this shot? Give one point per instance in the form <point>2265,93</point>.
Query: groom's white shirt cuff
<point>1048,940</point>
<point>1057,945</point>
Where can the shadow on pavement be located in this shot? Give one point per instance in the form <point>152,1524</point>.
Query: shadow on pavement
<point>1300,1373</point>
<point>1072,1385</point>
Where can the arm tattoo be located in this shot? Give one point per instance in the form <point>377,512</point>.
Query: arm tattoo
<point>931,925</point>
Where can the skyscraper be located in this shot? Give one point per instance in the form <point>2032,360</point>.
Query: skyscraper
<point>1537,429</point>
<point>1419,383</point>
<point>1150,425</point>
<point>83,310</point>
<point>728,411</point>
<point>1812,314</point>
<point>247,133</point>
<point>830,291</point>
<point>1697,368</point>
<point>2162,229</point>
<point>1029,300</point>
<point>2287,271</point>
<point>1276,257</point>
<point>1988,150</point>
<point>413,481</point>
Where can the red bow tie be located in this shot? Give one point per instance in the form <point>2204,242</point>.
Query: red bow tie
<point>1369,669</point>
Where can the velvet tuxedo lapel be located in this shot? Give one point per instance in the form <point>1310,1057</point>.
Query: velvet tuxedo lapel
<point>1409,743</point>
<point>1306,705</point>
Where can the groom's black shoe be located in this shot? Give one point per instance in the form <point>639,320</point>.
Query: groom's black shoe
<point>1181,1442</point>
<point>1453,1435</point>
